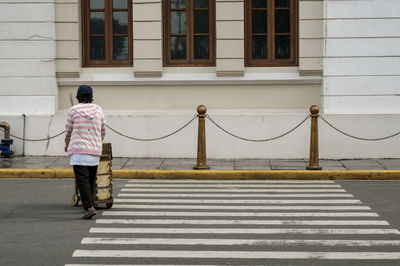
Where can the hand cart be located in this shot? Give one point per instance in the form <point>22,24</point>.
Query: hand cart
<point>103,185</point>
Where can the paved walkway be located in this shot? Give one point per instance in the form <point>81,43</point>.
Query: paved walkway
<point>214,164</point>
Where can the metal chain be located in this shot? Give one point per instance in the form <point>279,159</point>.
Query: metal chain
<point>257,140</point>
<point>44,139</point>
<point>355,137</point>
<point>221,128</point>
<point>153,139</point>
<point>119,133</point>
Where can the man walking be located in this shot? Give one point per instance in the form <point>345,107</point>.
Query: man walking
<point>85,131</point>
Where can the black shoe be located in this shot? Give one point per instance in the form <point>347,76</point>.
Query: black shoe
<point>89,214</point>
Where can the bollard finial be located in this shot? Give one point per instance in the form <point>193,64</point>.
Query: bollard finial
<point>314,109</point>
<point>201,109</point>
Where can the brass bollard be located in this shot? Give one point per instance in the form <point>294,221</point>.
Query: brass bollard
<point>201,139</point>
<point>313,164</point>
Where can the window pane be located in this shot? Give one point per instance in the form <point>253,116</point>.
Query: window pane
<point>282,21</point>
<point>96,4</point>
<point>178,3</point>
<point>97,22</point>
<point>120,22</point>
<point>120,45</point>
<point>259,47</point>
<point>259,21</point>
<point>97,48</point>
<point>259,4</point>
<point>282,3</point>
<point>178,22</point>
<point>201,22</point>
<point>201,47</point>
<point>282,47</point>
<point>200,3</point>
<point>120,4</point>
<point>178,47</point>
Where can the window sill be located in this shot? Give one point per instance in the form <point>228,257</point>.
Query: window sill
<point>249,78</point>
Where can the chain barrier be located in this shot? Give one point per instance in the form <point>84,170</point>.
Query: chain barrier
<point>119,133</point>
<point>153,139</point>
<point>355,137</point>
<point>221,128</point>
<point>257,140</point>
<point>26,139</point>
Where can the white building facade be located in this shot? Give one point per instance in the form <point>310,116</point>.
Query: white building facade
<point>256,65</point>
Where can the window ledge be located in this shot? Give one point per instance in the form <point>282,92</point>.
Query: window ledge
<point>191,79</point>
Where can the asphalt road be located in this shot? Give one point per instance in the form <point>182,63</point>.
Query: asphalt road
<point>38,225</point>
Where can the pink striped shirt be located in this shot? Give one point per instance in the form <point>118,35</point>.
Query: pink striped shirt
<point>85,129</point>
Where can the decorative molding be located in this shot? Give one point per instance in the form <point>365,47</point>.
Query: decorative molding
<point>230,73</point>
<point>311,72</point>
<point>148,74</point>
<point>68,74</point>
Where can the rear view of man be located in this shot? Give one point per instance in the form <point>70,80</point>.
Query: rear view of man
<point>85,131</point>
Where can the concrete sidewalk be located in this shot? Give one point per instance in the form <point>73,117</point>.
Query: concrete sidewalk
<point>54,162</point>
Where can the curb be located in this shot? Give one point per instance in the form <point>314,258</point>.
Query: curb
<point>57,173</point>
<point>54,173</point>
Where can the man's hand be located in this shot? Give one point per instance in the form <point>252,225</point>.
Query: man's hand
<point>65,148</point>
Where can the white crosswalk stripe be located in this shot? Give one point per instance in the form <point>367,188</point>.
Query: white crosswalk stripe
<point>214,231</point>
<point>212,222</point>
<point>272,185</point>
<point>237,195</point>
<point>241,201</point>
<point>236,254</point>
<point>102,264</point>
<point>302,190</point>
<point>238,207</point>
<point>242,183</point>
<point>242,214</point>
<point>205,241</point>
<point>240,222</point>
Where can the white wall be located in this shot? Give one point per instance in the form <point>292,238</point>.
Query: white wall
<point>253,125</point>
<point>311,37</point>
<point>27,53</point>
<point>355,43</point>
<point>68,44</point>
<point>362,57</point>
<point>149,85</point>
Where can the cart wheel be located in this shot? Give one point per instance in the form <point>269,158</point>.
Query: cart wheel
<point>109,205</point>
<point>75,200</point>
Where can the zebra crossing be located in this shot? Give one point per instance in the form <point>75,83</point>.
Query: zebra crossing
<point>249,222</point>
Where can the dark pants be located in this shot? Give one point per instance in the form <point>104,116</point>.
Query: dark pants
<point>85,179</point>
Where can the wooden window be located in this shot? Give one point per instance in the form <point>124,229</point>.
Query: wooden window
<point>107,33</point>
<point>271,32</point>
<point>189,32</point>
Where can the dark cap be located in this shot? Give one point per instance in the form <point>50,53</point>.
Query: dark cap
<point>84,90</point>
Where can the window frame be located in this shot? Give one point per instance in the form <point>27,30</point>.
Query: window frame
<point>108,36</point>
<point>189,61</point>
<point>270,60</point>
